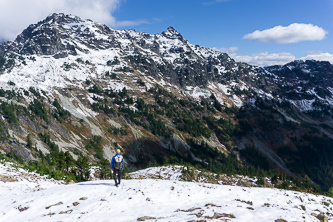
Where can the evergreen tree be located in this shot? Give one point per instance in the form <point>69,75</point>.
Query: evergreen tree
<point>61,161</point>
<point>69,161</point>
<point>82,164</point>
<point>39,109</point>
<point>29,141</point>
<point>104,166</point>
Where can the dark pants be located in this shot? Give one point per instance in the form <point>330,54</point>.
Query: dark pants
<point>115,172</point>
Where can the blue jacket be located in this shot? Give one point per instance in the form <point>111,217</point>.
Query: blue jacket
<point>113,160</point>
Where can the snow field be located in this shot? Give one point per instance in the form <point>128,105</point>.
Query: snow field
<point>149,200</point>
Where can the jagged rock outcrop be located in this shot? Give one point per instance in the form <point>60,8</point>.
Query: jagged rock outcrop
<point>159,95</point>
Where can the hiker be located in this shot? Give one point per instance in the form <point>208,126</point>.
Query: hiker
<point>117,165</point>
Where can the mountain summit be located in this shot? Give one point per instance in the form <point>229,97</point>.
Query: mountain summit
<point>75,85</point>
<point>59,35</point>
<point>172,33</point>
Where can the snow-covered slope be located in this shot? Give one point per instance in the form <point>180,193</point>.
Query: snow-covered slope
<point>150,200</point>
<point>64,50</point>
<point>163,92</point>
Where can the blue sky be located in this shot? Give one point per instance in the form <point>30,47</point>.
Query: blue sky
<point>223,25</point>
<point>260,32</point>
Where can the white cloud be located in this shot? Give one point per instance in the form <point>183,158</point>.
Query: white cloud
<point>261,58</point>
<point>16,15</point>
<point>321,56</point>
<point>231,50</point>
<point>131,23</point>
<point>265,59</point>
<point>269,59</point>
<point>289,34</point>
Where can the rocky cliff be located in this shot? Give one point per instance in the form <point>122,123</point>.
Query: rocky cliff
<point>75,85</point>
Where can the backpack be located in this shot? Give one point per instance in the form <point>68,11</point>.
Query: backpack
<point>118,161</point>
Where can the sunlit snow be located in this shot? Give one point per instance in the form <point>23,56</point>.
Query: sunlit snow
<point>29,197</point>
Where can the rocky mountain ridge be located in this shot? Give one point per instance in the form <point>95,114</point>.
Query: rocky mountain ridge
<point>78,85</point>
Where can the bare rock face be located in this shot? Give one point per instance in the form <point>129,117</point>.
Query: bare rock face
<point>322,218</point>
<point>60,35</point>
<point>54,36</point>
<point>43,38</point>
<point>278,110</point>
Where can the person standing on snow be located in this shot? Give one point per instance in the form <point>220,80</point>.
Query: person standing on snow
<point>117,166</point>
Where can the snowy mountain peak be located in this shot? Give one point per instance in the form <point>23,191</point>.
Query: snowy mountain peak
<point>62,36</point>
<point>172,33</point>
<point>59,35</point>
<point>172,30</point>
<point>86,66</point>
<point>62,18</point>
